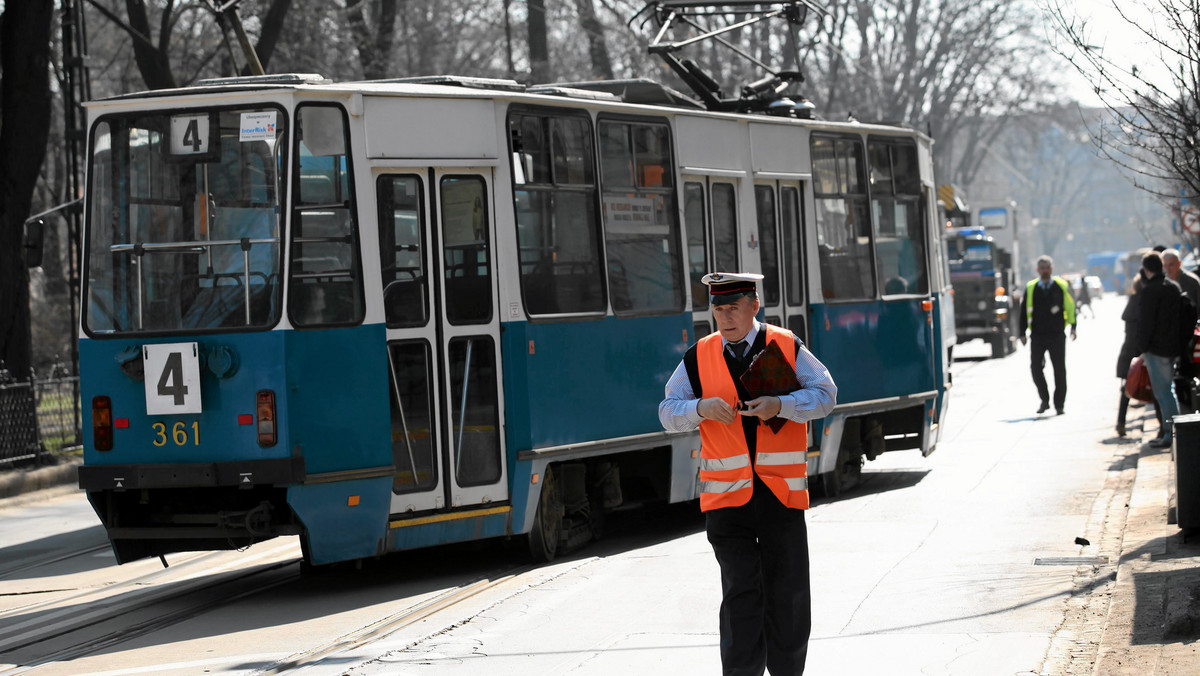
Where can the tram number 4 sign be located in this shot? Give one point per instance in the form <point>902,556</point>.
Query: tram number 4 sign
<point>172,378</point>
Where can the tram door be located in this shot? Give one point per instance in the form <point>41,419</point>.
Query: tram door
<point>781,248</point>
<point>437,249</point>
<point>710,211</point>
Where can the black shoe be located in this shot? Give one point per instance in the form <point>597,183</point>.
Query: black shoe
<point>1160,443</point>
<point>1120,430</point>
<point>1044,407</point>
<point>1058,411</point>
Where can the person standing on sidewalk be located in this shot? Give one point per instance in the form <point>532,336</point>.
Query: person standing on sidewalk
<point>1157,338</point>
<point>1046,308</point>
<point>753,478</point>
<point>1188,282</point>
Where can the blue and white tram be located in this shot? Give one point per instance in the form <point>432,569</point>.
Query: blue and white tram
<point>388,315</point>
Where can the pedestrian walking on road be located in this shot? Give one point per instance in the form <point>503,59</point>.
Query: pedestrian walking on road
<point>753,475</point>
<point>1046,309</point>
<point>1157,338</point>
<point>1084,301</point>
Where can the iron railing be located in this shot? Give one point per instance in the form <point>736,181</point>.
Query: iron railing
<point>39,418</point>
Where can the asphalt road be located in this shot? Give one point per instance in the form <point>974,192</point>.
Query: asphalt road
<point>964,562</point>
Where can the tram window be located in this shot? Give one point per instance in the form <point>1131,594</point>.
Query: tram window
<point>768,248</point>
<point>326,284</point>
<point>790,225</point>
<point>725,236</point>
<point>466,253</point>
<point>555,204</point>
<point>475,427</point>
<point>900,246</point>
<point>844,234</point>
<point>402,250</point>
<point>693,220</point>
<point>207,223</point>
<point>641,227</point>
<point>410,372</point>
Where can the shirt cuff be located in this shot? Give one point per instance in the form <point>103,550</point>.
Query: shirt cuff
<point>692,411</point>
<point>787,407</point>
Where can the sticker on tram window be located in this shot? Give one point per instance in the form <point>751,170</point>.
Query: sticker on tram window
<point>172,378</point>
<point>192,137</point>
<point>257,126</point>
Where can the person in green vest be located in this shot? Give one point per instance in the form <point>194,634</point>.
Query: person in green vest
<point>1046,309</point>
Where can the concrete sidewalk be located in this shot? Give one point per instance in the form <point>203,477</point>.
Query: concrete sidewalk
<point>27,482</point>
<point>1153,618</point>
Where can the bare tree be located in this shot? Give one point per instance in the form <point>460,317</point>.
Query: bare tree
<point>376,40</point>
<point>539,47</point>
<point>934,65</point>
<point>1154,130</point>
<point>24,126</point>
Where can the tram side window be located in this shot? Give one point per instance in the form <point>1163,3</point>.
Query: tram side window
<point>900,246</point>
<point>402,250</point>
<point>555,203</point>
<point>790,225</point>
<point>326,286</point>
<point>641,227</point>
<point>768,249</point>
<point>843,220</point>
<point>693,220</point>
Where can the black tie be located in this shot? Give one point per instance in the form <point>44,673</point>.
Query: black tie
<point>738,349</point>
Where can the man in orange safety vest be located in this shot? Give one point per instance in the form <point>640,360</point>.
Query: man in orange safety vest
<point>753,476</point>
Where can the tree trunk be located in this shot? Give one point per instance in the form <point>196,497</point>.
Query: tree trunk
<point>539,50</point>
<point>272,27</point>
<point>24,127</point>
<point>153,63</point>
<point>601,63</point>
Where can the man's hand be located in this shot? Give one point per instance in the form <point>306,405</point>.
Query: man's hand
<point>1072,332</point>
<point>1023,338</point>
<point>763,407</point>
<point>715,408</point>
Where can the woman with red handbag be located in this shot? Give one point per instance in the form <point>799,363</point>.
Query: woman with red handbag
<point>1135,379</point>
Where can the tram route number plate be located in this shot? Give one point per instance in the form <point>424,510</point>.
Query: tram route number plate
<point>172,378</point>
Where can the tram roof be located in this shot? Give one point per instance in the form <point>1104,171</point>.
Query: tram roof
<point>638,92</point>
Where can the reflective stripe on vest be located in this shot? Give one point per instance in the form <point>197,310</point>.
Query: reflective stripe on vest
<point>726,476</point>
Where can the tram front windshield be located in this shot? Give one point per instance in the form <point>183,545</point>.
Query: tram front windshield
<point>184,219</point>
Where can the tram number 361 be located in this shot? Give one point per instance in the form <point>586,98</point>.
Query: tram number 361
<point>179,433</point>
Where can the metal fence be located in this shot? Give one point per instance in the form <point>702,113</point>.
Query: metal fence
<point>38,418</point>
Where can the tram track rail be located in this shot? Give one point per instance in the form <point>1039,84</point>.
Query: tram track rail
<point>138,606</point>
<point>38,562</point>
<point>394,622</point>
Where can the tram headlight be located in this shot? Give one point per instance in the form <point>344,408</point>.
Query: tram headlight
<point>265,413</point>
<point>102,423</point>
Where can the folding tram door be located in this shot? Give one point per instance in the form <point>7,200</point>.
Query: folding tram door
<point>437,248</point>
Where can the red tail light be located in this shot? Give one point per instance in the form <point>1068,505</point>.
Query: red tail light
<point>265,410</point>
<point>102,423</point>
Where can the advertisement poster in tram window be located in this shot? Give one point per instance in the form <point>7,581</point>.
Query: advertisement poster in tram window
<point>462,212</point>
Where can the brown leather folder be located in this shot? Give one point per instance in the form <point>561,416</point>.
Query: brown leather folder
<point>769,374</point>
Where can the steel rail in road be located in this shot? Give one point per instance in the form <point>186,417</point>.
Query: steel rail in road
<point>181,600</point>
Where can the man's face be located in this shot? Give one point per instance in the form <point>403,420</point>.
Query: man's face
<point>734,320</point>
<point>1171,266</point>
<point>1045,270</point>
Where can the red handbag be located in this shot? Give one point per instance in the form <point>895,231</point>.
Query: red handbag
<point>1137,383</point>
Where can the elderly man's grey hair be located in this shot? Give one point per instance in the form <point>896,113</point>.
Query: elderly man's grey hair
<point>1170,254</point>
<point>1045,259</point>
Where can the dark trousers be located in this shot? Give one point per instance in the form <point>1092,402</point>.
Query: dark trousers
<point>766,608</point>
<point>1056,345</point>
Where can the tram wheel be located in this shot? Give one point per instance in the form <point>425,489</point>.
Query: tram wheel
<point>543,538</point>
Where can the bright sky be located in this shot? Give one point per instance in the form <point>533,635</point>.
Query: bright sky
<point>1122,42</point>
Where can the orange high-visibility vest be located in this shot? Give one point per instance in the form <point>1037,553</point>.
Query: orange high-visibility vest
<point>725,469</point>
